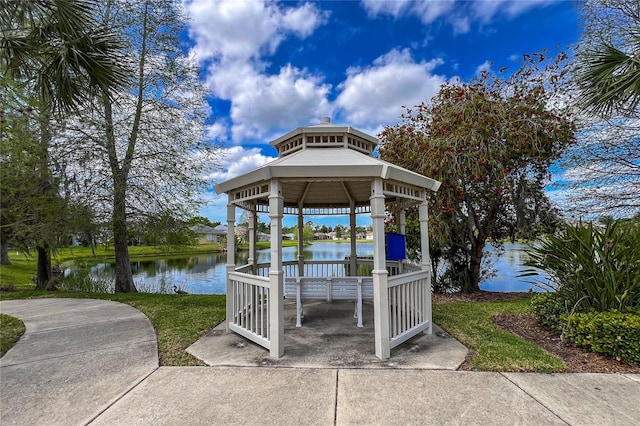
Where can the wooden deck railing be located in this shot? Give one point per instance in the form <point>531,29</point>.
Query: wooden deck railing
<point>408,291</point>
<point>250,308</point>
<point>409,305</point>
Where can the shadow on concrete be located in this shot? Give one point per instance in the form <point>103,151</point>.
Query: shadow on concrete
<point>329,338</point>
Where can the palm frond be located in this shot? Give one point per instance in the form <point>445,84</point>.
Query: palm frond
<point>610,80</point>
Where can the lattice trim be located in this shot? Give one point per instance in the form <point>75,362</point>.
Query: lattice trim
<point>251,193</point>
<point>395,189</point>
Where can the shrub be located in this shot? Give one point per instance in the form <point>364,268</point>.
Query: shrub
<point>591,269</point>
<point>611,333</point>
<point>549,308</point>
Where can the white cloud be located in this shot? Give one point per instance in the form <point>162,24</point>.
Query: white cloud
<point>427,11</point>
<point>236,161</point>
<point>263,103</point>
<point>485,66</point>
<point>486,10</point>
<point>232,38</point>
<point>216,131</point>
<point>373,95</point>
<point>233,162</point>
<point>458,13</point>
<point>243,30</point>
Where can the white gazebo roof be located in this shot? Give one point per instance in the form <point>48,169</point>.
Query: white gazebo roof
<point>328,166</point>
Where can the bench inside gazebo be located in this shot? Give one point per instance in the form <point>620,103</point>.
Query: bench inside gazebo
<point>327,169</point>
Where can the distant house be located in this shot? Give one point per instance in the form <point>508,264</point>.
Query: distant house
<point>369,235</point>
<point>208,235</point>
<point>288,237</point>
<point>321,236</point>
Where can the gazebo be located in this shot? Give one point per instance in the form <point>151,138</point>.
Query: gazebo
<point>328,169</point>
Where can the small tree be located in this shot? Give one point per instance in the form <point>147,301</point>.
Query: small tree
<point>483,140</point>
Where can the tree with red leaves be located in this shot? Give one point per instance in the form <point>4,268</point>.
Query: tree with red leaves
<point>490,142</point>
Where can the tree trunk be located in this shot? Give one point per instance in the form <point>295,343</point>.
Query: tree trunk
<point>43,274</point>
<point>4,255</point>
<point>475,264</point>
<point>124,277</point>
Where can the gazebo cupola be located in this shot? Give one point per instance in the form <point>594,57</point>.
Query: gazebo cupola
<point>327,169</point>
<point>324,135</point>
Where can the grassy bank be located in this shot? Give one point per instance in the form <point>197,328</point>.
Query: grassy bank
<point>22,270</point>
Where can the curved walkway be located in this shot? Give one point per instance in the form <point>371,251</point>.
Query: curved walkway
<point>89,361</point>
<point>76,357</point>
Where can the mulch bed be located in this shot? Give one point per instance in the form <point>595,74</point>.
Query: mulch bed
<point>577,360</point>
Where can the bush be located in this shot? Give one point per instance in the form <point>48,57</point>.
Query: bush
<point>591,269</point>
<point>611,333</point>
<point>549,309</point>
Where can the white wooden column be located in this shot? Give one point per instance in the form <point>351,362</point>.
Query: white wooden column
<point>425,263</point>
<point>402,230</point>
<point>402,222</point>
<point>379,273</point>
<point>231,256</point>
<point>251,231</point>
<point>300,241</point>
<point>352,225</point>
<point>276,283</point>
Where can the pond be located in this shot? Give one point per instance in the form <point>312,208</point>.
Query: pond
<point>205,273</point>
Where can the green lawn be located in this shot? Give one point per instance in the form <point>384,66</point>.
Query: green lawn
<point>495,349</point>
<point>10,331</point>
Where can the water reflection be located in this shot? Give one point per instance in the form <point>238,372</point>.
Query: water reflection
<point>206,274</point>
<point>508,267</point>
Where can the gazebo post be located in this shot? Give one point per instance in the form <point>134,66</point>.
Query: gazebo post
<point>231,256</point>
<point>425,264</point>
<point>402,228</point>
<point>379,273</point>
<point>352,224</point>
<point>276,280</point>
<point>252,238</point>
<point>300,240</point>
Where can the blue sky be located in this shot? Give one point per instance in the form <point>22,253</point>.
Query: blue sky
<point>273,66</point>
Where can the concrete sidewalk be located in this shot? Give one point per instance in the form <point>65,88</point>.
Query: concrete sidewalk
<point>76,358</point>
<point>87,361</point>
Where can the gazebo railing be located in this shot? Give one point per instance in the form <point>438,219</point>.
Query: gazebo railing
<point>409,301</point>
<point>248,298</point>
<point>409,306</point>
<point>328,268</point>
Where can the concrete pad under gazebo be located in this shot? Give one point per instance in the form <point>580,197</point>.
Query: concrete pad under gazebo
<point>328,169</point>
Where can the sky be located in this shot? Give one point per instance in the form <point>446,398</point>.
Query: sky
<point>273,66</point>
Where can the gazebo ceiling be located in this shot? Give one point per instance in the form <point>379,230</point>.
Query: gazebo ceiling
<point>327,166</point>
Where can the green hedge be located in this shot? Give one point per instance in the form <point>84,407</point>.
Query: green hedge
<point>549,308</point>
<point>611,333</point>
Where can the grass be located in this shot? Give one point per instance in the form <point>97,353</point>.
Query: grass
<point>494,348</point>
<point>178,319</point>
<point>10,331</point>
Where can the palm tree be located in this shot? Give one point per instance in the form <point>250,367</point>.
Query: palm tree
<point>59,50</point>
<point>610,79</point>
